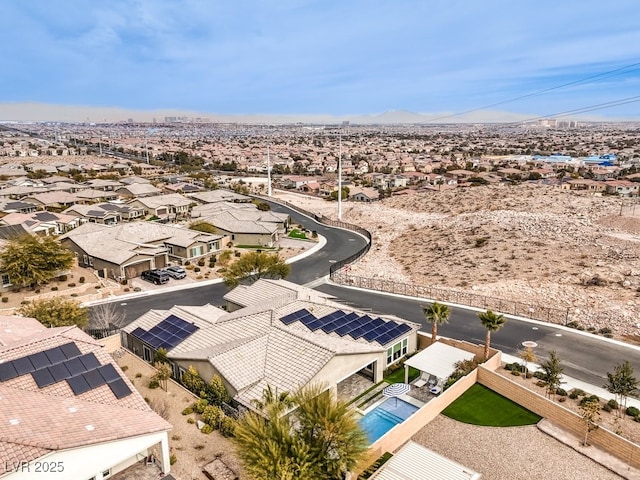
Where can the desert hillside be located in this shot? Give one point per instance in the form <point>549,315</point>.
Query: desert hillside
<point>535,244</point>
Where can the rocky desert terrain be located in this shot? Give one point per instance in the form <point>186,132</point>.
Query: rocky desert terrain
<point>530,243</point>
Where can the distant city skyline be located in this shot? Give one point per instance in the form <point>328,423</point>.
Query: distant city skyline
<point>319,61</point>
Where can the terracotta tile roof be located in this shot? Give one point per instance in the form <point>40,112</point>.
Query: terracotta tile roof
<point>34,421</point>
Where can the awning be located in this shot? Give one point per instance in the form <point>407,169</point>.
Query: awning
<point>438,359</point>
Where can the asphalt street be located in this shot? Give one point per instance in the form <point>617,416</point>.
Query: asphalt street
<point>584,356</point>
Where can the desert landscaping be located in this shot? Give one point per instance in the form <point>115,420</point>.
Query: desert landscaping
<point>536,244</point>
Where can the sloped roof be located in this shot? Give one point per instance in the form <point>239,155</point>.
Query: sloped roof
<point>212,196</point>
<point>37,421</point>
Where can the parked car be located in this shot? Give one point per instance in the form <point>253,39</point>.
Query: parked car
<point>176,272</point>
<point>157,276</point>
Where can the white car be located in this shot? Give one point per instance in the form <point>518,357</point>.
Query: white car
<point>176,272</point>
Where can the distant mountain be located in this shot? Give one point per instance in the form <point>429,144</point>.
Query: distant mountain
<point>40,112</point>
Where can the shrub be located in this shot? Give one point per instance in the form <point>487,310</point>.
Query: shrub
<point>212,415</point>
<point>172,459</point>
<point>62,278</point>
<point>529,374</point>
<point>632,411</point>
<point>561,391</point>
<point>515,373</point>
<point>187,262</point>
<point>604,331</point>
<point>538,375</point>
<point>576,392</point>
<point>37,291</point>
<point>25,302</point>
<point>5,299</point>
<point>237,254</point>
<point>198,447</point>
<point>138,375</point>
<point>124,368</point>
<point>227,426</point>
<point>126,289</point>
<point>196,269</point>
<point>562,399</point>
<point>74,295</point>
<point>54,289</point>
<point>613,404</point>
<point>153,384</point>
<point>187,411</point>
<point>71,285</point>
<point>207,429</point>
<point>200,405</point>
<point>588,399</point>
<point>97,287</point>
<point>191,420</point>
<point>541,383</point>
<point>81,280</point>
<point>137,289</point>
<point>201,262</point>
<point>606,407</point>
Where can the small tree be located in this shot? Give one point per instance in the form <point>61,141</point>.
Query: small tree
<point>31,260</point>
<point>192,381</point>
<point>528,356</point>
<point>163,374</point>
<point>161,355</point>
<point>552,373</point>
<point>622,383</point>
<point>255,265</point>
<point>216,392</point>
<point>57,312</point>
<point>590,413</point>
<point>106,315</point>
<point>492,322</point>
<point>436,314</point>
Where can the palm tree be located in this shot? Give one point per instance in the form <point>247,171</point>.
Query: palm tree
<point>492,322</point>
<point>436,314</point>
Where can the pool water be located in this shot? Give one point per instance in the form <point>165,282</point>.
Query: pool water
<point>384,417</point>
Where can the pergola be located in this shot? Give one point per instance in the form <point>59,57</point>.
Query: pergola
<point>437,359</point>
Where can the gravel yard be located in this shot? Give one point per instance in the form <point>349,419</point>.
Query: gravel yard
<point>513,453</point>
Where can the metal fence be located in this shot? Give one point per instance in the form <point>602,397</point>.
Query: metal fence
<point>99,333</point>
<point>501,305</point>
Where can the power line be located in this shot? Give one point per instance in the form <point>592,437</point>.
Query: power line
<point>590,108</point>
<point>610,73</point>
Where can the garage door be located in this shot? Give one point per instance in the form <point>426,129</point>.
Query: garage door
<point>133,271</point>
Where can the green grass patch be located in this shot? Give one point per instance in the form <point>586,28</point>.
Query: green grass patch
<point>398,375</point>
<point>295,233</point>
<point>370,470</point>
<point>482,406</point>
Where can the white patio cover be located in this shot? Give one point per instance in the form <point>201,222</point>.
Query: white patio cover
<point>415,462</point>
<point>438,359</point>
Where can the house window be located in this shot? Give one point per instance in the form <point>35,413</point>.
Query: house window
<point>146,354</point>
<point>170,249</point>
<point>106,473</point>
<point>6,281</point>
<point>197,251</point>
<point>214,246</point>
<point>397,351</point>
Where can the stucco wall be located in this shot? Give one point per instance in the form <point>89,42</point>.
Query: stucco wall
<point>342,366</point>
<point>556,413</point>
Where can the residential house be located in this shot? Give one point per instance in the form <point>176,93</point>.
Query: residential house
<point>219,195</point>
<point>17,206</point>
<point>106,213</point>
<point>44,223</point>
<point>364,194</point>
<point>54,200</point>
<point>65,404</point>
<point>295,181</point>
<point>310,187</point>
<point>93,196</point>
<point>181,187</point>
<point>624,188</point>
<point>248,227</point>
<point>138,190</point>
<point>274,333</point>
<point>124,251</point>
<point>587,184</point>
<point>164,206</point>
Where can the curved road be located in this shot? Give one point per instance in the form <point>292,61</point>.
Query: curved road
<point>584,356</point>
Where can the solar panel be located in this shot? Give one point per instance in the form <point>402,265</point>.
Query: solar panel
<point>93,378</point>
<point>168,328</point>
<point>43,378</point>
<point>75,366</point>
<point>346,328</point>
<point>108,372</point>
<point>55,355</point>
<point>174,320</point>
<point>70,350</point>
<point>164,335</point>
<point>89,361</point>
<point>358,332</point>
<point>307,319</point>
<point>7,371</point>
<point>23,365</point>
<point>376,322</point>
<point>59,372</point>
<point>330,327</point>
<point>39,360</point>
<point>371,335</point>
<point>384,339</point>
<point>78,384</point>
<point>292,317</point>
<point>119,388</point>
<point>404,327</point>
<point>315,325</point>
<point>137,332</point>
<point>190,328</point>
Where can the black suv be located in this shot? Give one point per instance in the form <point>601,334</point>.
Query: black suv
<point>158,277</point>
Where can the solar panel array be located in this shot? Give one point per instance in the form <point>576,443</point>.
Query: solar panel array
<point>167,334</point>
<point>352,324</point>
<point>66,362</point>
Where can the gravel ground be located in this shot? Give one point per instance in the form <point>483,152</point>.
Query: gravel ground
<point>508,453</point>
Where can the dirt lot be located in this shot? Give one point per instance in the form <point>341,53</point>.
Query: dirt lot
<point>536,244</point>
<point>192,449</point>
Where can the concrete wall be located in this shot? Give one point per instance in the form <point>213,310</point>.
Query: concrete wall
<point>614,444</point>
<point>111,343</point>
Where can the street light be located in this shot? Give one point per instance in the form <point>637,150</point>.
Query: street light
<point>340,174</point>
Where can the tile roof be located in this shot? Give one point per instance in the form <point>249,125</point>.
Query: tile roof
<point>35,421</point>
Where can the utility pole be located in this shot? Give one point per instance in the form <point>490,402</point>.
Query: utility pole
<point>340,175</point>
<point>268,173</point>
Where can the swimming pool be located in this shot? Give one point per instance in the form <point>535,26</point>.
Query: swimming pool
<point>384,417</point>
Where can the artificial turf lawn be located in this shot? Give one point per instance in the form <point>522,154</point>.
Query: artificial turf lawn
<point>481,406</point>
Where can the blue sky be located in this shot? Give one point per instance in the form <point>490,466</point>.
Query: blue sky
<point>320,57</point>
